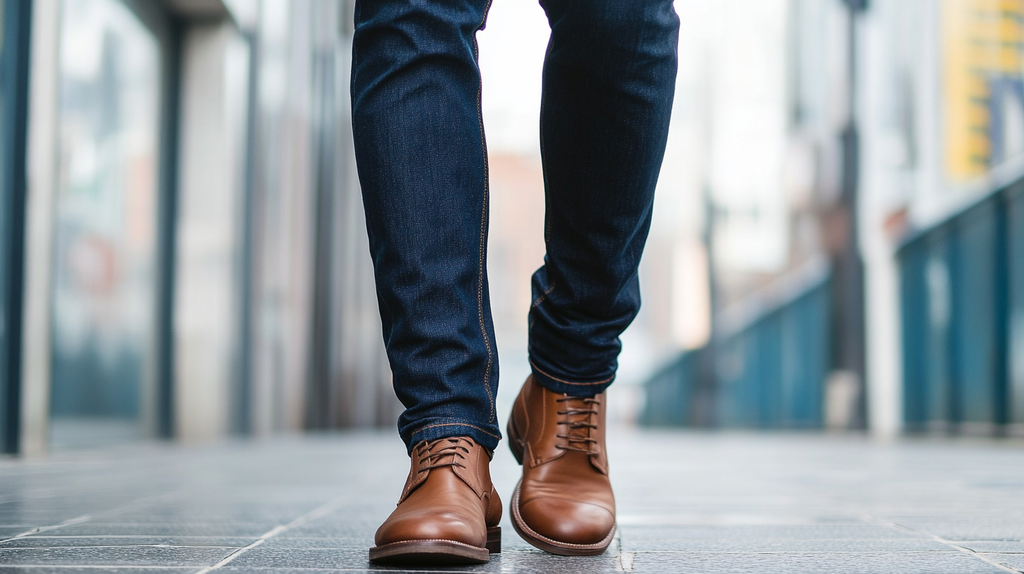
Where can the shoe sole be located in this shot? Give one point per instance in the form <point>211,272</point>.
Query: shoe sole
<point>518,446</point>
<point>437,552</point>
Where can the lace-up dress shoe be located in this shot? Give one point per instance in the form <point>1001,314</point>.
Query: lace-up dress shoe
<point>448,512</point>
<point>564,502</point>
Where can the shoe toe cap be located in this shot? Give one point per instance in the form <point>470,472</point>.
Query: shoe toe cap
<point>568,521</point>
<point>430,526</point>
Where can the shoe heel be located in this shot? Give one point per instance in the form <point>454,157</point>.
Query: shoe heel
<point>494,540</point>
<point>514,443</point>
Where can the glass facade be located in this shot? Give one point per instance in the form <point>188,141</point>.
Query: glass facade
<point>5,383</point>
<point>3,93</point>
<point>105,219</point>
<point>14,24</point>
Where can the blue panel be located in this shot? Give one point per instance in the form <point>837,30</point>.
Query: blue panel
<point>731,369</point>
<point>754,380</point>
<point>804,359</point>
<point>669,393</point>
<point>916,330</point>
<point>793,358</point>
<point>962,305</point>
<point>939,271</point>
<point>1015,338</point>
<point>974,327</point>
<point>770,372</point>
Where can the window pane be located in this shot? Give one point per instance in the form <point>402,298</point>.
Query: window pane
<point>105,220</point>
<point>3,215</point>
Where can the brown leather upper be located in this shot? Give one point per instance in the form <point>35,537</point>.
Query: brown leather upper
<point>447,496</point>
<point>565,494</point>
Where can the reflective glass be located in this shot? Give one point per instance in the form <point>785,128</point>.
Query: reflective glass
<point>105,221</point>
<point>4,65</point>
<point>3,212</point>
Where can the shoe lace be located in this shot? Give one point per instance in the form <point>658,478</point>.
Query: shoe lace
<point>578,407</point>
<point>442,452</point>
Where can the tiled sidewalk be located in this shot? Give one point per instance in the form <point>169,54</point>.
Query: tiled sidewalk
<point>687,503</point>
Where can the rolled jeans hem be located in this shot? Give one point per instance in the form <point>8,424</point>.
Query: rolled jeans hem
<point>572,388</point>
<point>485,436</point>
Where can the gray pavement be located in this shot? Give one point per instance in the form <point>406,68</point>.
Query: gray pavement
<point>688,502</point>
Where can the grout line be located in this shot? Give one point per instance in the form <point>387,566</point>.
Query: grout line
<point>107,567</point>
<point>321,510</point>
<point>119,546</point>
<point>151,536</point>
<point>941,540</point>
<point>624,561</point>
<point>96,566</point>
<point>771,552</point>
<point>86,517</point>
<point>38,529</point>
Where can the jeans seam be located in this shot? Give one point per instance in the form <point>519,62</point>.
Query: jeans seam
<point>453,425</point>
<point>483,229</point>
<point>541,371</point>
<point>544,171</point>
<point>540,299</point>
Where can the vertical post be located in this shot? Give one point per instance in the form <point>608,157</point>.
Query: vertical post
<point>167,218</point>
<point>1001,304</point>
<point>323,411</point>
<point>848,285</point>
<point>703,404</point>
<point>243,403</point>
<point>15,26</point>
<point>42,158</point>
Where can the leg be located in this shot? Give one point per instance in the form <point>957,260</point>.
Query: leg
<point>422,165</point>
<point>609,78</point>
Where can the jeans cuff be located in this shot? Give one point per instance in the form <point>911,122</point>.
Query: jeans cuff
<point>561,386</point>
<point>485,436</point>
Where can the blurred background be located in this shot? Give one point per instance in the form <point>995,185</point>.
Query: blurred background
<point>838,239</point>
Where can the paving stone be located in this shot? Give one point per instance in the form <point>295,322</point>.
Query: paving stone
<point>92,570</point>
<point>530,561</point>
<point>665,541</point>
<point>123,541</point>
<point>639,535</point>
<point>987,527</point>
<point>811,563</point>
<point>157,529</point>
<point>347,542</point>
<point>116,556</point>
<point>688,502</point>
<point>1007,546</point>
<point>1015,561</point>
<point>267,570</point>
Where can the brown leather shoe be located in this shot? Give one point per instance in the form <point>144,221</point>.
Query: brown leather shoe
<point>564,502</point>
<point>448,512</point>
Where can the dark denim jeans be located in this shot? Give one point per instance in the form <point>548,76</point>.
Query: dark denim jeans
<point>609,79</point>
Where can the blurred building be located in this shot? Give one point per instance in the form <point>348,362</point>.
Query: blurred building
<point>864,222</point>
<point>838,239</point>
<point>183,249</point>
